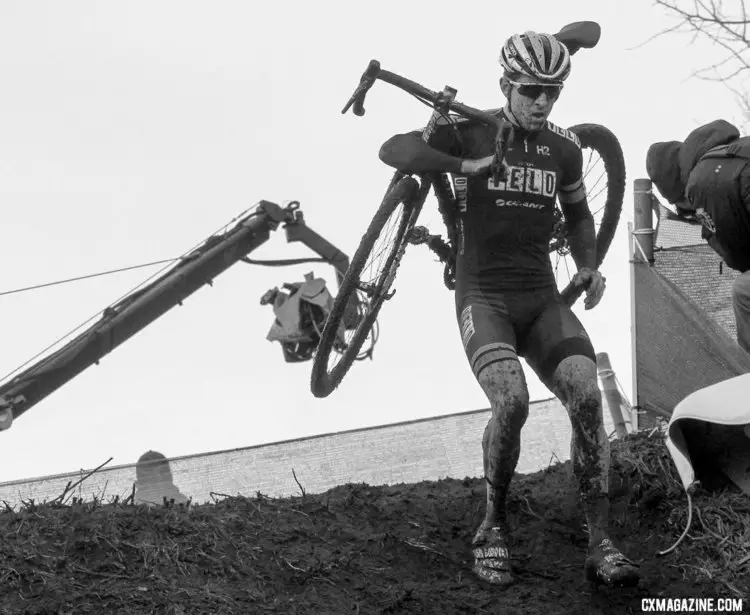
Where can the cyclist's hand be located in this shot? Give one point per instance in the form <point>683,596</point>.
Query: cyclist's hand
<point>595,284</point>
<point>480,166</point>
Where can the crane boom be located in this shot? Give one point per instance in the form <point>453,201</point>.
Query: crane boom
<point>122,320</point>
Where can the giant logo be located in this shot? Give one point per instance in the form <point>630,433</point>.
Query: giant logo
<point>528,180</point>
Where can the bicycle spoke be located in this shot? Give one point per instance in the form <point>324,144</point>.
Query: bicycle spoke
<point>588,166</point>
<point>373,281</point>
<point>591,189</point>
<point>380,253</point>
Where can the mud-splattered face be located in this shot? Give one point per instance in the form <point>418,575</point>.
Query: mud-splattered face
<point>530,102</point>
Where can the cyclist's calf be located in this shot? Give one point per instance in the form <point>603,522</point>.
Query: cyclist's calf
<point>504,384</point>
<point>575,384</point>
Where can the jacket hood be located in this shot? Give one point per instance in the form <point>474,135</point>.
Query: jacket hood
<point>669,163</point>
<point>702,139</point>
<point>663,168</point>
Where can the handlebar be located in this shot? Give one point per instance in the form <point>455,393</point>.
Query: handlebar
<point>365,83</point>
<point>374,72</point>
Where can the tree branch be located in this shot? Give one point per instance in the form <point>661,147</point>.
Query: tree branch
<point>725,28</point>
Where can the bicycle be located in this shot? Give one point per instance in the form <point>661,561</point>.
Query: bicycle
<point>407,195</point>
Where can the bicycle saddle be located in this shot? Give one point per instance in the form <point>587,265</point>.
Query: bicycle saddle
<point>579,35</point>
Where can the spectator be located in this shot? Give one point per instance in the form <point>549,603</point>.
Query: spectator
<point>707,179</point>
<point>154,481</point>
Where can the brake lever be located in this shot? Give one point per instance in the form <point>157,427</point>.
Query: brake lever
<point>499,170</point>
<point>358,96</point>
<point>365,83</point>
<point>504,138</point>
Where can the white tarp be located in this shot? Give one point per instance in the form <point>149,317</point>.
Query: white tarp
<point>725,405</point>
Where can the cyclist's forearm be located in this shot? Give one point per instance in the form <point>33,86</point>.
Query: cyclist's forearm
<point>409,153</point>
<point>582,242</point>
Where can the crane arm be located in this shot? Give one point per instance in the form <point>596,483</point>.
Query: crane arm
<point>123,320</point>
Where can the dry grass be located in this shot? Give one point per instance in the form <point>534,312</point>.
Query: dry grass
<point>717,545</point>
<point>112,557</point>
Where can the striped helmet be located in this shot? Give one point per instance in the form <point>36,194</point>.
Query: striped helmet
<point>540,56</point>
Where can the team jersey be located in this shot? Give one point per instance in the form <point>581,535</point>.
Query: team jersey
<point>504,229</point>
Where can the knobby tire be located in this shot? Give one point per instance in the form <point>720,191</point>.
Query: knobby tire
<point>408,191</point>
<point>606,144</point>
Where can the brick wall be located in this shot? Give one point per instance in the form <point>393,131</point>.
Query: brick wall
<point>699,273</point>
<point>428,449</point>
<point>691,264</point>
<point>667,328</point>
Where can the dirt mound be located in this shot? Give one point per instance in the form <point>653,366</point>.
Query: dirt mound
<point>361,549</point>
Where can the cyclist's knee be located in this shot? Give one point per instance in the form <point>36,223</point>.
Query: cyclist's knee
<point>505,386</point>
<point>575,382</point>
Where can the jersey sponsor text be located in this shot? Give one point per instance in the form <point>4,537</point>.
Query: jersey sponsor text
<point>526,204</point>
<point>467,325</point>
<point>563,132</point>
<point>460,185</point>
<point>527,179</point>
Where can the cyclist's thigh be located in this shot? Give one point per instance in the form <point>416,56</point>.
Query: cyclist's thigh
<point>487,333</point>
<point>553,336</point>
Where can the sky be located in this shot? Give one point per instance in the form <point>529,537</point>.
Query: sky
<point>130,132</point>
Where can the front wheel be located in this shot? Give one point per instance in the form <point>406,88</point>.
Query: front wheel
<point>605,192</point>
<point>366,283</point>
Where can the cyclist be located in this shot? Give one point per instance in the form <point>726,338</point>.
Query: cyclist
<point>507,301</point>
<point>707,178</point>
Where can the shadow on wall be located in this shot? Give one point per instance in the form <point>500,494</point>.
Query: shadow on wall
<point>154,483</point>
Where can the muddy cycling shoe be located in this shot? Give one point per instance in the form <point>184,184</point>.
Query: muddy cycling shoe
<point>606,565</point>
<point>491,557</point>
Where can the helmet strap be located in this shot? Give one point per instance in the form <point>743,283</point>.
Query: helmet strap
<point>510,115</point>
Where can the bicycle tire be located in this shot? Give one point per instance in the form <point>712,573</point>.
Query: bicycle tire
<point>408,191</point>
<point>607,145</point>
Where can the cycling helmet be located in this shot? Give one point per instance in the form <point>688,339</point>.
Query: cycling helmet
<point>540,56</point>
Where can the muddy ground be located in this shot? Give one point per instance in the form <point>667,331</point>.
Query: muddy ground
<point>362,549</point>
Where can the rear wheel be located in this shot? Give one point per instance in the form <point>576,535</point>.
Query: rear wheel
<point>366,284</point>
<point>604,177</point>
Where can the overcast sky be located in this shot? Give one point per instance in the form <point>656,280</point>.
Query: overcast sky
<point>129,132</point>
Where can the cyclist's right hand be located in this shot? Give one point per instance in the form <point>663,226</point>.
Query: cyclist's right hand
<point>480,166</point>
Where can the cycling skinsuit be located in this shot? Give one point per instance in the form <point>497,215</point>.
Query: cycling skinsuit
<point>507,300</point>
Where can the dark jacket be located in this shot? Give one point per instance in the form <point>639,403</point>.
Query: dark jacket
<point>719,184</point>
<point>713,178</point>
<point>669,163</point>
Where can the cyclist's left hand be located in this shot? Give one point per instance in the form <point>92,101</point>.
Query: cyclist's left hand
<point>595,284</point>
